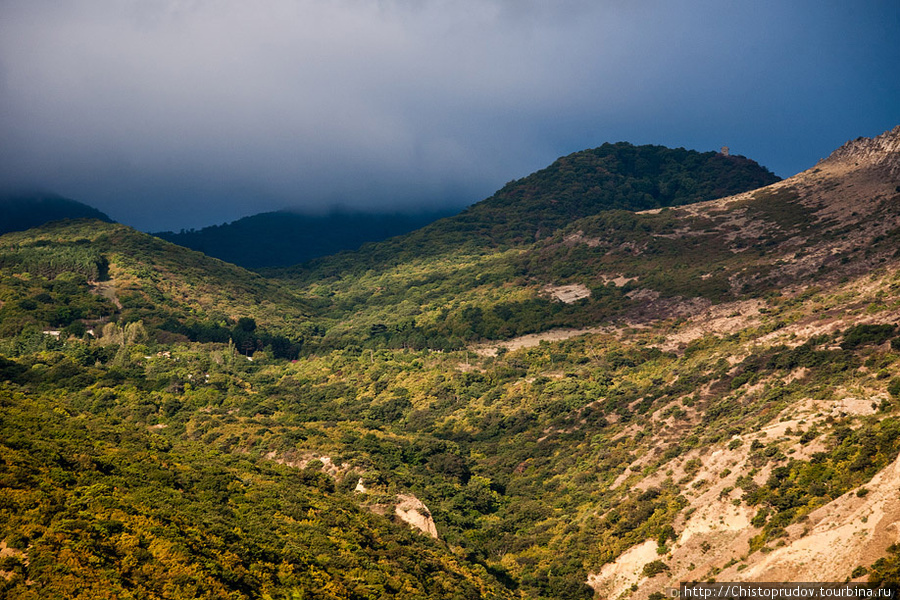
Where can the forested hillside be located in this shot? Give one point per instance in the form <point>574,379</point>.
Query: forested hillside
<point>87,275</point>
<point>617,176</point>
<point>713,394</point>
<point>471,276</point>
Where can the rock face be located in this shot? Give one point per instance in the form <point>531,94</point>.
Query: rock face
<point>411,510</point>
<point>615,578</point>
<point>879,151</point>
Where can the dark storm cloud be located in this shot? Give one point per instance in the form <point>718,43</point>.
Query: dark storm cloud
<point>170,114</point>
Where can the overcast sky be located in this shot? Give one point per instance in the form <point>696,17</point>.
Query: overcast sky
<point>183,113</point>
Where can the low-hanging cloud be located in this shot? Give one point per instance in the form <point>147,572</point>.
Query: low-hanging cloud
<point>169,113</point>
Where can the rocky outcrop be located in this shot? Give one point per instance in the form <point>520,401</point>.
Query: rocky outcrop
<point>407,508</point>
<point>411,510</point>
<point>299,460</point>
<point>6,551</point>
<point>880,151</point>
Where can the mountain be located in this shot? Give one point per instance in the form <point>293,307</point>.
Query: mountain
<point>467,276</point>
<point>283,238</point>
<point>613,176</point>
<point>21,211</point>
<point>707,392</point>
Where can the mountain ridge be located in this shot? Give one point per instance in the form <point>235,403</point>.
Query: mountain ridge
<point>23,210</point>
<point>643,176</point>
<point>735,247</point>
<point>288,237</point>
<point>883,149</point>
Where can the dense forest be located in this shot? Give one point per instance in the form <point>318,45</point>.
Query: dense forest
<point>134,466</point>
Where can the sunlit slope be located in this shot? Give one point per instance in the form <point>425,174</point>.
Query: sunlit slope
<point>834,220</point>
<point>98,505</point>
<point>749,435</point>
<point>415,287</point>
<point>92,272</point>
<point>724,442</point>
<point>735,416</point>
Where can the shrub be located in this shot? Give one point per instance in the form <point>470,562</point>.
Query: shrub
<point>860,335</point>
<point>894,387</point>
<point>654,568</point>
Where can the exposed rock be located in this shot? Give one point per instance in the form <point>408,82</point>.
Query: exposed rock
<point>300,461</point>
<point>6,551</point>
<point>408,509</point>
<point>615,578</point>
<point>579,238</point>
<point>882,150</point>
<point>863,527</point>
<point>643,295</point>
<point>411,510</point>
<point>534,339</point>
<point>568,294</point>
<point>618,280</point>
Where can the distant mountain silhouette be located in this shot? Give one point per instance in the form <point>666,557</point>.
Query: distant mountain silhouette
<point>23,210</point>
<point>284,238</point>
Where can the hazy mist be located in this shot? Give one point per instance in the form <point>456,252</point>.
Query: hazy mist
<point>168,114</point>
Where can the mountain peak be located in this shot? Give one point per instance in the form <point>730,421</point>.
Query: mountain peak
<point>879,151</point>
